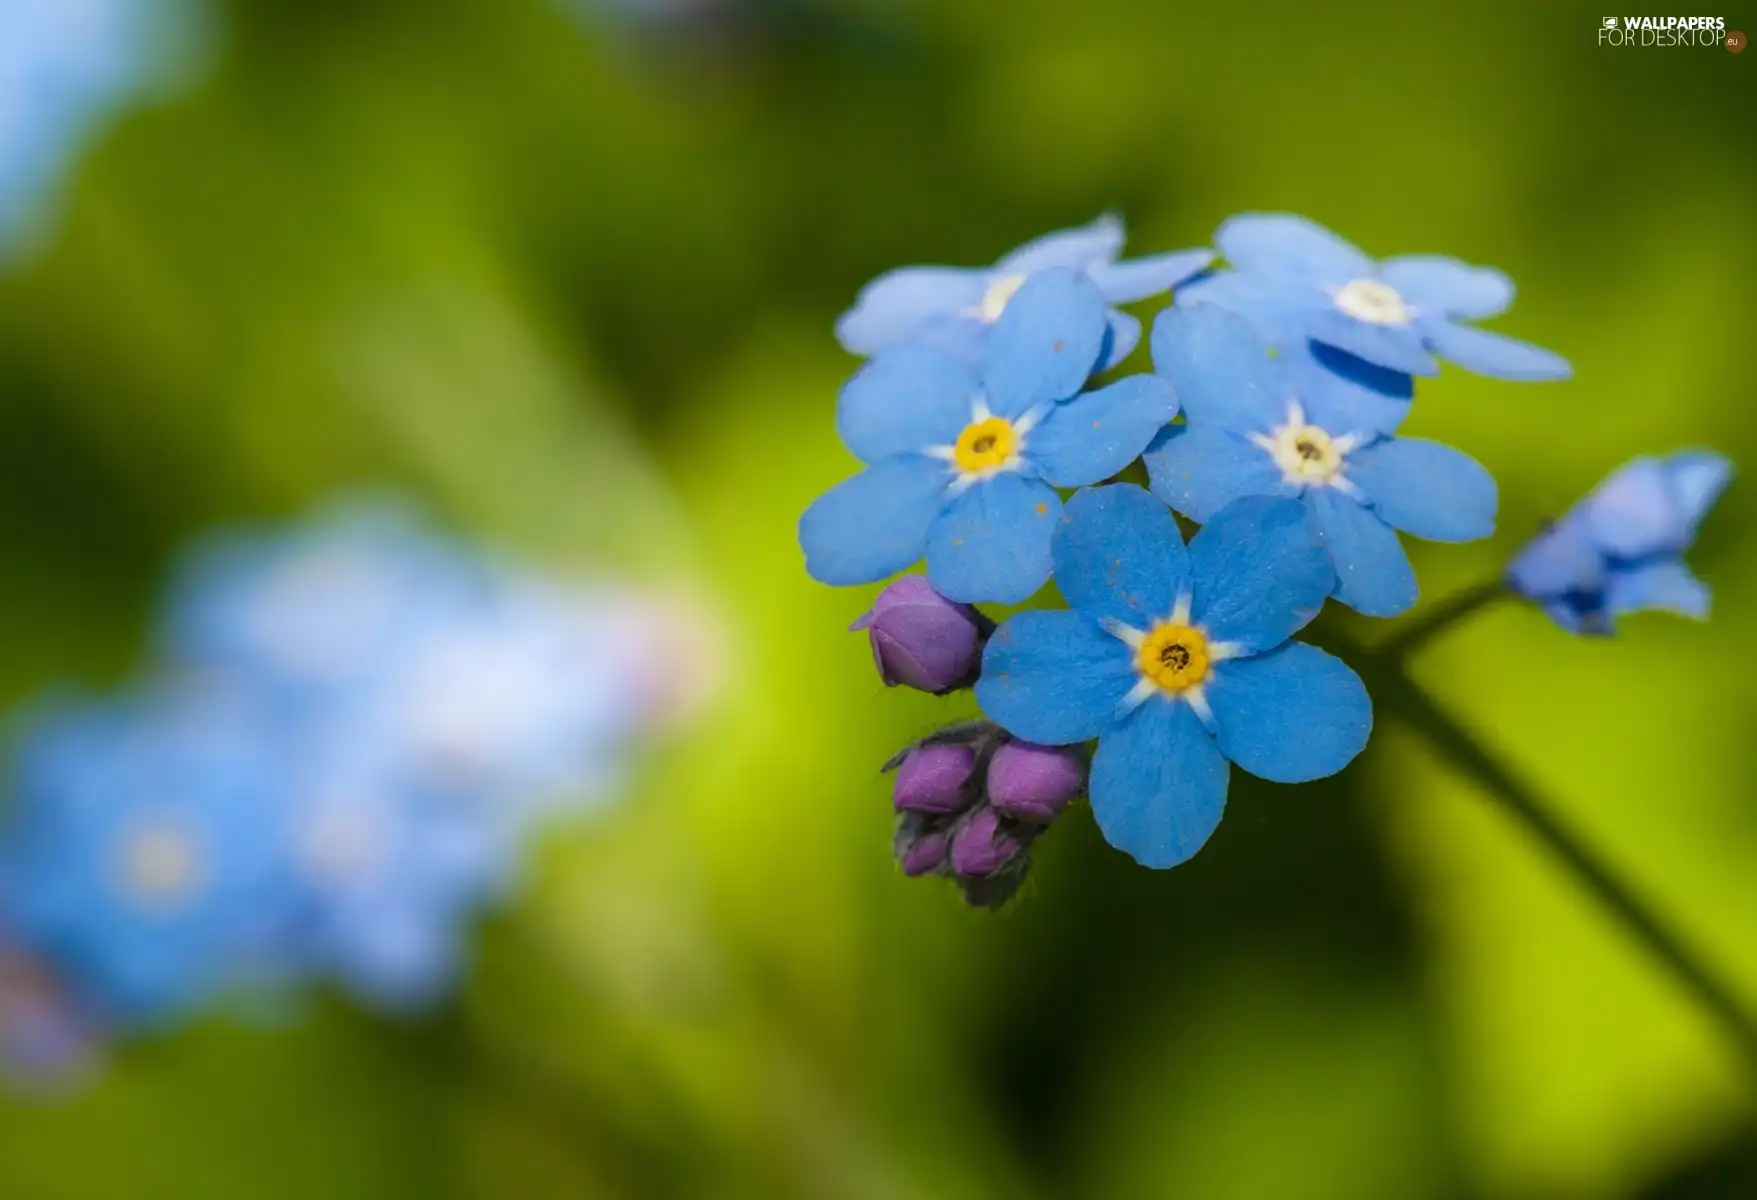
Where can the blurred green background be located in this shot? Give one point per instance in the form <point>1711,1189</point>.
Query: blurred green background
<point>570,278</point>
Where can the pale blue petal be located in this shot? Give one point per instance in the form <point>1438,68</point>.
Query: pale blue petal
<point>1139,278</point>
<point>1373,574</point>
<point>1425,488</point>
<point>1667,586</point>
<point>1082,248</point>
<point>1259,572</point>
<point>1347,394</point>
<point>1698,477</point>
<point>1093,436</point>
<point>903,401</point>
<point>1491,353</point>
<point>1121,339</point>
<point>1290,716</point>
<point>1200,470</point>
<point>1286,244</point>
<point>1119,554</point>
<point>992,542</point>
<point>1277,309</point>
<point>1437,284</point>
<point>961,335</point>
<point>874,524</point>
<point>1564,559</point>
<point>1158,784</point>
<point>1046,344</point>
<point>890,308</point>
<point>1394,347</point>
<point>1221,369</point>
<point>1634,513</point>
<point>1053,677</point>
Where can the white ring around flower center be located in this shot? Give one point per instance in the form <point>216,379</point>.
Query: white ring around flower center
<point>1373,301</point>
<point>158,865</point>
<point>1307,455</point>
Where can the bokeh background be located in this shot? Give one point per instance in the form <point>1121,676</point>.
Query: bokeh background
<point>565,272</point>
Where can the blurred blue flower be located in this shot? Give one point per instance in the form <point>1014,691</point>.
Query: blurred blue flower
<point>1620,550</point>
<point>145,854</point>
<point>960,464</point>
<point>65,66</point>
<point>1296,280</point>
<point>1178,662</point>
<point>1257,426</point>
<point>956,308</point>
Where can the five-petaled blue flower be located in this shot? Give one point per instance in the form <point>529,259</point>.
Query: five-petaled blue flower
<point>1620,550</point>
<point>1178,661</point>
<point>961,463</point>
<point>1296,280</point>
<point>1257,426</point>
<point>955,308</point>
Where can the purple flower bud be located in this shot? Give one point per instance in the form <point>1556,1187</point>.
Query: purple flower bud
<point>921,639</point>
<point>934,779</point>
<point>985,845</point>
<point>1034,783</point>
<point>921,845</point>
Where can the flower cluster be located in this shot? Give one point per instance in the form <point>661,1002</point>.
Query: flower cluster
<point>352,730</point>
<point>1270,419</point>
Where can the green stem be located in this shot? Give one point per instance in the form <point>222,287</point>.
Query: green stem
<point>1421,629</point>
<point>1402,696</point>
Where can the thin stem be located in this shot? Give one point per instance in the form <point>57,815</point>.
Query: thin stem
<point>1408,701</point>
<point>1436,619</point>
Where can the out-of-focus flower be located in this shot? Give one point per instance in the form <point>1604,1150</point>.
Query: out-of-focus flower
<point>1620,550</point>
<point>957,308</point>
<point>46,1040</point>
<point>935,779</point>
<point>1297,280</point>
<point>65,67</point>
<point>1178,661</point>
<point>1028,782</point>
<point>145,856</point>
<point>921,639</point>
<point>961,465</point>
<point>1255,429</point>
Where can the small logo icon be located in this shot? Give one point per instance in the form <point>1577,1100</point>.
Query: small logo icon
<point>1610,22</point>
<point>1735,40</point>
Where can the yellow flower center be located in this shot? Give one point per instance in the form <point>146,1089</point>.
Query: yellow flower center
<point>994,301</point>
<point>1306,453</point>
<point>985,445</point>
<point>1174,656</point>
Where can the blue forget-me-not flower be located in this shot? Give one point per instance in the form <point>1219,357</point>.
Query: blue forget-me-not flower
<point>1296,280</point>
<point>1178,661</point>
<point>960,462</point>
<point>1620,550</point>
<point>956,308</point>
<point>1258,426</point>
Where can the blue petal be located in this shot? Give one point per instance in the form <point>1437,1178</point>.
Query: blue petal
<point>1046,344</point>
<point>1347,394</point>
<point>1562,560</point>
<point>1120,342</point>
<point>1285,244</point>
<point>1373,575</point>
<point>1053,677</point>
<point>1634,513</point>
<point>1082,248</point>
<point>1394,347</point>
<point>1139,278</point>
<point>1092,437</point>
<point>1425,488</point>
<point>992,541</point>
<point>1435,283</point>
<point>891,307</point>
<point>1289,716</point>
<point>1158,784</point>
<point>1199,470</point>
<point>1277,309</point>
<point>1259,572</point>
<point>1698,477</point>
<point>1221,369</point>
<point>1492,354</point>
<point>1668,586</point>
<point>1118,554</point>
<point>905,400</point>
<point>876,523</point>
<point>960,334</point>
